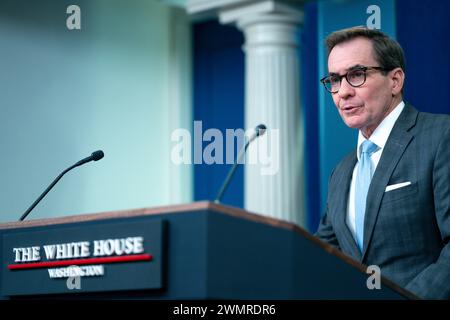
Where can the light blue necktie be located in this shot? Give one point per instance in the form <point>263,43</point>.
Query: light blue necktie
<point>363,178</point>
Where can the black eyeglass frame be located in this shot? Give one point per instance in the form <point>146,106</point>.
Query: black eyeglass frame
<point>357,68</point>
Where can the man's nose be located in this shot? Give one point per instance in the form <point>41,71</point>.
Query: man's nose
<point>346,90</point>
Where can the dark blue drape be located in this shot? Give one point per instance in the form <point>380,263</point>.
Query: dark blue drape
<point>218,102</point>
<point>423,30</point>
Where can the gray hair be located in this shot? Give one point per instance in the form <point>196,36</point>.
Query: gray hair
<point>387,52</point>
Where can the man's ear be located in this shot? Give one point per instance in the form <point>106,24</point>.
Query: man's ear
<point>397,77</point>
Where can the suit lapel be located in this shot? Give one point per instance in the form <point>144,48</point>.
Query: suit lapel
<point>346,240</point>
<point>395,146</point>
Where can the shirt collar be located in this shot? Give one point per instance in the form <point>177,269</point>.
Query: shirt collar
<point>382,132</point>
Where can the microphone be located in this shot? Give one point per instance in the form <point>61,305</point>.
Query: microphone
<point>95,156</point>
<point>259,131</point>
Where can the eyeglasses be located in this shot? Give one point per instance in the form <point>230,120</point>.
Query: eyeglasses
<point>356,77</point>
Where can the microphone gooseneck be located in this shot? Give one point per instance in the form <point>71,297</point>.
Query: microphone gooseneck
<point>95,156</point>
<point>259,131</point>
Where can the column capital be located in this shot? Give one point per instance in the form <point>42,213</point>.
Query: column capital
<point>247,11</point>
<point>262,11</point>
<point>267,23</point>
<point>207,6</point>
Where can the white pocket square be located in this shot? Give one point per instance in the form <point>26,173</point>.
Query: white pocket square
<point>397,185</point>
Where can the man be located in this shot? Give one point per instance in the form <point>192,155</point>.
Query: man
<point>389,200</point>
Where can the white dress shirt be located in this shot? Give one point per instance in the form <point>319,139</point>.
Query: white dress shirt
<point>379,137</point>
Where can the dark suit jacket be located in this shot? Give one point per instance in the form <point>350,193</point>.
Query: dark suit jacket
<point>406,230</point>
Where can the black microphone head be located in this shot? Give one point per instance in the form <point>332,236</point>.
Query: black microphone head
<point>260,129</point>
<point>97,155</point>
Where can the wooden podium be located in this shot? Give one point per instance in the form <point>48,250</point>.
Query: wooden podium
<point>201,250</point>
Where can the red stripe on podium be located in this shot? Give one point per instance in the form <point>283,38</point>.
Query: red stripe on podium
<point>49,264</point>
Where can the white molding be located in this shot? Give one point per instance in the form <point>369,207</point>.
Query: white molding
<point>200,6</point>
<point>229,15</point>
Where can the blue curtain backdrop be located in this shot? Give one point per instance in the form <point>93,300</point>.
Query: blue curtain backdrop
<point>423,30</point>
<point>310,103</point>
<point>218,102</point>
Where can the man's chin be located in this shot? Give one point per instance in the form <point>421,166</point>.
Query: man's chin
<point>353,124</point>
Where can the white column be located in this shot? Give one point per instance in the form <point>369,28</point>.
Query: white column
<point>272,97</point>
